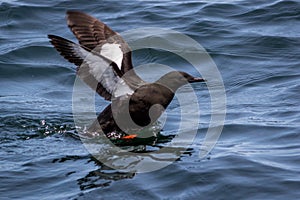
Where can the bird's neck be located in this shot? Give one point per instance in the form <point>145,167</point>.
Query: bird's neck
<point>172,86</point>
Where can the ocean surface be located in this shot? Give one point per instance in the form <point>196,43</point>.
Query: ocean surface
<point>255,45</point>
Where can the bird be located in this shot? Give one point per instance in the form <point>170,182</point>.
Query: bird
<point>104,62</point>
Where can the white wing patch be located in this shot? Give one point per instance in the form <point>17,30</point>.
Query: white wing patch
<point>113,52</point>
<point>102,71</point>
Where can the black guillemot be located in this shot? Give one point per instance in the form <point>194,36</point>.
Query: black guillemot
<point>103,61</point>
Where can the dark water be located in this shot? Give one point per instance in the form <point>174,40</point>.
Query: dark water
<point>255,45</point>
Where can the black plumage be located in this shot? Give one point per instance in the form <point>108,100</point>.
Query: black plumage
<point>137,104</point>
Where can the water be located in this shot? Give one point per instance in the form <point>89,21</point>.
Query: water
<point>255,45</point>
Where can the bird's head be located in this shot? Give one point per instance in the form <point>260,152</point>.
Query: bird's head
<point>176,79</point>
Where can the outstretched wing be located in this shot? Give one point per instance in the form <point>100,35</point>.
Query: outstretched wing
<point>99,72</point>
<point>95,35</point>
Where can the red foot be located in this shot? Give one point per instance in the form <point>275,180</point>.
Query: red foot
<point>129,136</point>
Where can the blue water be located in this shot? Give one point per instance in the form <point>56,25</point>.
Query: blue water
<point>255,45</point>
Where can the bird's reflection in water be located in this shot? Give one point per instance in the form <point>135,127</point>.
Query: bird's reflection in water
<point>104,176</point>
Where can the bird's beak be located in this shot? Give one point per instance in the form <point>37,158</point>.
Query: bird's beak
<point>197,79</point>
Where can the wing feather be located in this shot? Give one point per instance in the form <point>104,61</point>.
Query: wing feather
<point>95,70</point>
<point>92,33</point>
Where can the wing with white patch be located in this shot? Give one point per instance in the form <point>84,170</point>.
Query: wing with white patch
<point>99,72</point>
<point>95,35</point>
